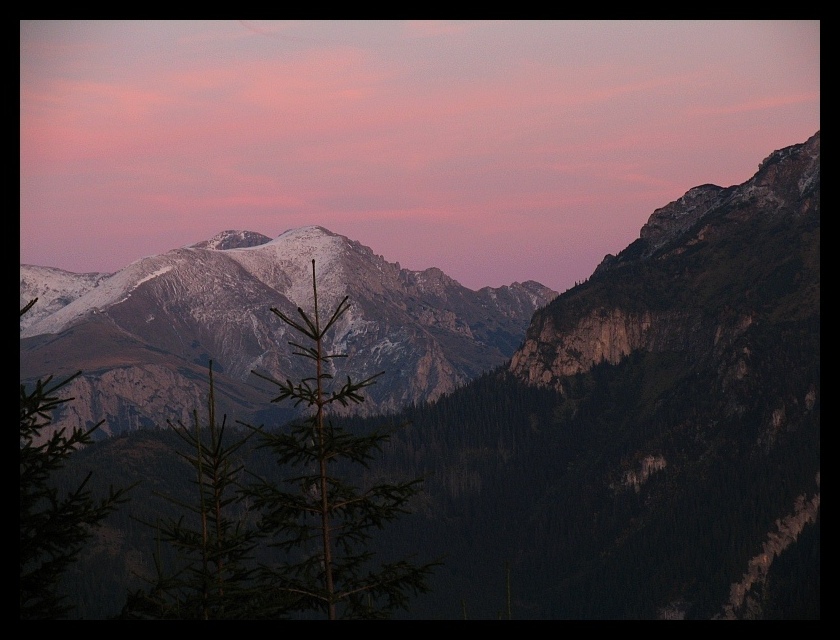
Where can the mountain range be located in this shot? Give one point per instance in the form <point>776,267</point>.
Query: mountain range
<point>649,450</point>
<point>143,337</point>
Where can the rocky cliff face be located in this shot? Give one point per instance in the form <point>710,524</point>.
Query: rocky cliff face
<point>683,247</point>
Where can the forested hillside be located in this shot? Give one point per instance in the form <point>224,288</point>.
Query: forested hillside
<point>524,480</point>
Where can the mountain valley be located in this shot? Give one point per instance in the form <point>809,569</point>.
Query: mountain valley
<point>645,445</point>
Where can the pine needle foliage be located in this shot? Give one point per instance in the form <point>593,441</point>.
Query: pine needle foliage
<point>55,525</point>
<point>319,521</point>
<point>211,538</point>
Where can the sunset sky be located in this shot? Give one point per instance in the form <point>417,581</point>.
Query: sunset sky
<point>496,151</point>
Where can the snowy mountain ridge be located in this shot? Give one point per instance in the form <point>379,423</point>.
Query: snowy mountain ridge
<point>177,311</point>
<point>54,289</point>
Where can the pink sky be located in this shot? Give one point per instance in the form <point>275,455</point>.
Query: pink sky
<point>496,151</point>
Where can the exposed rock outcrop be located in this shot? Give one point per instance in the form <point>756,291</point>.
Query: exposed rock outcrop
<point>568,337</point>
<point>745,595</point>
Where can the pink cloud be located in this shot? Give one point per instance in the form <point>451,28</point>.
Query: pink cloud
<point>481,129</point>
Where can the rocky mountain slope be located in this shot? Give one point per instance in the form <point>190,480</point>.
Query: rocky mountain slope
<point>54,289</point>
<point>143,336</point>
<point>695,244</point>
<point>702,342</point>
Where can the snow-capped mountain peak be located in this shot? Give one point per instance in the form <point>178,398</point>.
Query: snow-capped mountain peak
<point>213,301</point>
<point>231,239</point>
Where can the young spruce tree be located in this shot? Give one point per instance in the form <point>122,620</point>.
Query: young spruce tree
<point>320,521</point>
<point>211,538</point>
<point>55,525</point>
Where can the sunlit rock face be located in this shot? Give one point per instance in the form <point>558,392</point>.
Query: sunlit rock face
<point>685,284</point>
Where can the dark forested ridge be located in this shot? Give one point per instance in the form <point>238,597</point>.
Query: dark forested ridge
<point>529,481</point>
<point>679,481</point>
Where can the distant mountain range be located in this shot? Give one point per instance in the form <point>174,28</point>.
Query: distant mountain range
<point>143,337</point>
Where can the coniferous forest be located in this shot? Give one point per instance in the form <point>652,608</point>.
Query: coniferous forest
<point>522,502</point>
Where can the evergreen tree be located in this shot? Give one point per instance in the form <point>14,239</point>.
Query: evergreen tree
<point>213,543</point>
<point>54,525</point>
<point>323,523</point>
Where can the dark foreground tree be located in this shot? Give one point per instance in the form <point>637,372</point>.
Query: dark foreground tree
<point>321,522</point>
<point>54,525</point>
<point>212,539</point>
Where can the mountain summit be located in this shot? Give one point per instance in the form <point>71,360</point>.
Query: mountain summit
<point>232,239</point>
<point>143,336</point>
<point>705,268</point>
